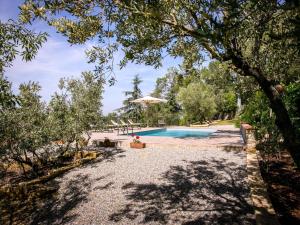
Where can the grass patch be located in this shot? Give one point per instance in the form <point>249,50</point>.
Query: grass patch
<point>235,122</point>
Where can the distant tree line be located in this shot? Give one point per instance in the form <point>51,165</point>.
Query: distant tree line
<point>198,95</point>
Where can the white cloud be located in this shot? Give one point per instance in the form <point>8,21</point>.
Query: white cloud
<point>56,59</point>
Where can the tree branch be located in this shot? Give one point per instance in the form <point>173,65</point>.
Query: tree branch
<point>187,31</point>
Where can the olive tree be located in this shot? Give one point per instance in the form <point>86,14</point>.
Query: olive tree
<point>224,83</point>
<point>24,129</point>
<point>7,98</point>
<point>86,96</point>
<point>76,110</point>
<point>16,39</point>
<point>197,101</point>
<point>259,39</point>
<point>61,120</point>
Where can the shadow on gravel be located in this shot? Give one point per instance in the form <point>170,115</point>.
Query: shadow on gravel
<point>46,207</point>
<point>108,155</point>
<point>237,149</point>
<point>50,207</point>
<point>112,154</point>
<point>54,211</point>
<point>200,192</point>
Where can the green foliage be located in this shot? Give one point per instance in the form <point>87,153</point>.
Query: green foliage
<point>197,101</point>
<point>264,34</point>
<point>223,82</point>
<point>15,40</point>
<point>219,75</point>
<point>258,39</point>
<point>220,79</point>
<point>167,87</point>
<point>103,59</point>
<point>30,130</point>
<point>86,96</point>
<point>77,109</point>
<point>152,113</point>
<point>60,119</point>
<point>24,129</point>
<point>110,116</point>
<point>292,101</point>
<point>132,110</point>
<point>260,116</point>
<point>7,98</point>
<point>227,103</point>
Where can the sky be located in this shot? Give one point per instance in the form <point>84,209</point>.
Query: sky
<point>57,59</point>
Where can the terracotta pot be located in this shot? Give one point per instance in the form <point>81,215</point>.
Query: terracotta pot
<point>279,88</point>
<point>59,142</point>
<point>137,145</point>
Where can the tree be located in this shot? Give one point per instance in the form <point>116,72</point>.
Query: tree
<point>292,100</point>
<point>259,39</point>
<point>110,116</point>
<point>224,83</point>
<point>61,120</point>
<point>7,98</point>
<point>76,110</point>
<point>130,109</point>
<point>30,130</point>
<point>167,88</point>
<point>24,129</point>
<point>16,39</point>
<point>86,96</point>
<point>198,102</point>
<point>221,80</point>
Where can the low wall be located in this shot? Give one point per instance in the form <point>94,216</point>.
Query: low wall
<point>21,189</point>
<point>247,132</point>
<point>263,208</point>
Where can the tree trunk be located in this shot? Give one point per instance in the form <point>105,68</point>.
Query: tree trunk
<point>283,120</point>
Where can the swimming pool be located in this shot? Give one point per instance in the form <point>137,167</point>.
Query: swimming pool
<point>177,133</point>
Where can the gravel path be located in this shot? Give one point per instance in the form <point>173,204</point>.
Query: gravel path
<point>155,186</point>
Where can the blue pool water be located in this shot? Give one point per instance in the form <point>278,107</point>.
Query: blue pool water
<point>178,133</point>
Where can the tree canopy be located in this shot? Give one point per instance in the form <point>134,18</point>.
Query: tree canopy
<point>225,30</point>
<point>130,109</point>
<point>198,102</point>
<point>31,129</point>
<point>16,39</point>
<point>259,39</point>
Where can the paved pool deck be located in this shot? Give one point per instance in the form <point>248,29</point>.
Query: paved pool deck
<point>226,136</point>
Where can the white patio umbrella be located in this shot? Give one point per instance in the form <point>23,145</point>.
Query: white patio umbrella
<point>147,100</point>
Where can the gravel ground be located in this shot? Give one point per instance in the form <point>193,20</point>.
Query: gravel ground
<point>167,185</point>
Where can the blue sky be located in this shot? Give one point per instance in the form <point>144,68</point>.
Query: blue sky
<point>57,59</point>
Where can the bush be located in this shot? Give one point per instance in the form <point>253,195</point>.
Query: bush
<point>260,116</point>
<point>35,135</point>
<point>292,101</point>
